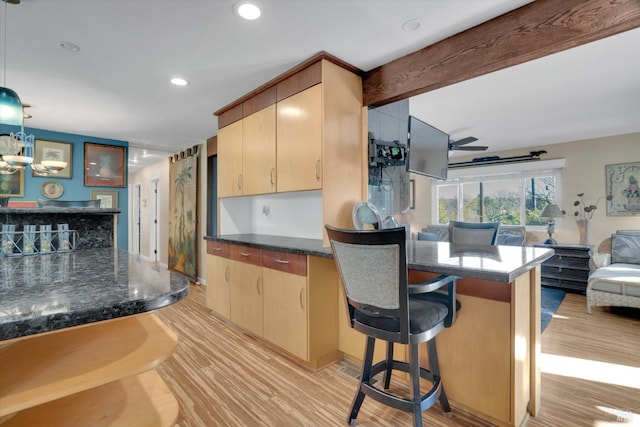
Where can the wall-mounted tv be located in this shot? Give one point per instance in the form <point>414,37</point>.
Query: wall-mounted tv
<point>428,149</point>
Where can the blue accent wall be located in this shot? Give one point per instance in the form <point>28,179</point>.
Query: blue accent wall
<point>74,188</point>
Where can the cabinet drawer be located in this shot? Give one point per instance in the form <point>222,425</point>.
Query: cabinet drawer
<point>568,261</point>
<point>246,254</point>
<point>218,248</point>
<point>285,261</point>
<point>566,273</point>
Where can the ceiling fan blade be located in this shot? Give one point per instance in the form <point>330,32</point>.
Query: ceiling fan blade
<point>463,141</point>
<point>472,148</point>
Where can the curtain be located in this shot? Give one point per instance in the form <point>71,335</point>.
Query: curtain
<point>183,198</point>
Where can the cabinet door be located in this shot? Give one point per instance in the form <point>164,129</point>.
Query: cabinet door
<point>246,296</point>
<point>299,130</point>
<point>218,277</point>
<point>285,311</point>
<point>230,160</point>
<point>259,152</point>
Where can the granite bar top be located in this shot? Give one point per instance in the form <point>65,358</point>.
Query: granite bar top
<point>43,293</point>
<point>50,209</point>
<point>494,263</point>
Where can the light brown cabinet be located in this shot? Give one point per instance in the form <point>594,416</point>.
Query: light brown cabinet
<point>230,163</point>
<point>299,136</point>
<point>245,295</point>
<point>319,139</point>
<point>288,299</point>
<point>259,152</point>
<point>218,278</point>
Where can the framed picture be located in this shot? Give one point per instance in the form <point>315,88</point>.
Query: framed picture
<point>12,185</point>
<point>53,150</point>
<point>108,198</point>
<point>104,165</point>
<point>622,186</point>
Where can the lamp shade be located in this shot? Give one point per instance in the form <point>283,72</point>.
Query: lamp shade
<point>551,210</point>
<point>10,107</point>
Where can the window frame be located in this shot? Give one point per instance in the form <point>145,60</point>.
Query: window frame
<point>519,171</point>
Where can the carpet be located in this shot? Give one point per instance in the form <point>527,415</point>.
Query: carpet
<point>551,299</point>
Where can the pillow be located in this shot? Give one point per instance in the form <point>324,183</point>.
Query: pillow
<point>510,239</point>
<point>625,248</point>
<point>431,237</point>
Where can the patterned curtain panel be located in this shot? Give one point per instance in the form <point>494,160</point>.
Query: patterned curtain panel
<point>183,198</point>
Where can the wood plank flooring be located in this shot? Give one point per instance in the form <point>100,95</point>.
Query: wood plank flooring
<point>223,377</point>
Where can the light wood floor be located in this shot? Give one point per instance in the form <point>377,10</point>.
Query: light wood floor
<point>223,377</point>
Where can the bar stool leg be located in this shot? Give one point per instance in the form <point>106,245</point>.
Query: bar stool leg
<point>414,373</point>
<point>387,374</point>
<point>434,367</point>
<point>365,377</point>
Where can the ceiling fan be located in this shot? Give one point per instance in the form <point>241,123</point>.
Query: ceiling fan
<point>460,144</point>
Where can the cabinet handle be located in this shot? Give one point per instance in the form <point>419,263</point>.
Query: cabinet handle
<point>301,298</point>
<point>318,169</point>
<point>245,254</point>
<point>258,285</point>
<point>240,182</point>
<point>226,274</point>
<point>271,176</point>
<point>282,261</point>
<point>217,249</point>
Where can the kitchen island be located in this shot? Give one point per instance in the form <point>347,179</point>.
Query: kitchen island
<point>79,340</point>
<point>490,357</point>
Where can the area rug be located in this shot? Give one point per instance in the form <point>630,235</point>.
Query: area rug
<point>551,299</point>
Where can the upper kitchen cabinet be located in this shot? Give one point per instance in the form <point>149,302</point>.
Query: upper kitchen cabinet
<point>299,130</point>
<point>230,170</point>
<point>259,152</point>
<point>302,131</point>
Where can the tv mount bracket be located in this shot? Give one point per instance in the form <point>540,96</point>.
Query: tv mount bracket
<point>386,153</point>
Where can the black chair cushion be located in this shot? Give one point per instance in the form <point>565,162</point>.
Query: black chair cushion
<point>437,296</point>
<point>423,315</point>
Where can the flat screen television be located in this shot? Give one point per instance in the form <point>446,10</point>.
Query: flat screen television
<point>428,149</point>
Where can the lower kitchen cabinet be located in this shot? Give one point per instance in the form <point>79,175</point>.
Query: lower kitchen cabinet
<point>218,280</point>
<point>285,311</point>
<point>246,296</point>
<point>288,299</point>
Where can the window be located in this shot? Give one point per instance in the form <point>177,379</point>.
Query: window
<point>513,198</point>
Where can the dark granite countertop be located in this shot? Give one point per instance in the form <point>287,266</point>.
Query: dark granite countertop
<point>495,263</point>
<point>49,209</point>
<point>43,293</point>
<point>277,243</point>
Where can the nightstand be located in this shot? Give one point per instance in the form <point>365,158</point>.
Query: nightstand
<point>568,268</point>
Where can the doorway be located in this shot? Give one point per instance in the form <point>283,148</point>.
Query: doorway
<point>135,243</point>
<point>153,220</point>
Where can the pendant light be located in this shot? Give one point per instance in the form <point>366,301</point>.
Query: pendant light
<point>10,106</point>
<point>17,149</point>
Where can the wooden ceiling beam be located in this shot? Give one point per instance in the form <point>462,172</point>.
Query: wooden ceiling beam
<point>537,29</point>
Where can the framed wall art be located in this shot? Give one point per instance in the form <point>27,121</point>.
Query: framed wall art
<point>108,198</point>
<point>104,165</point>
<point>622,185</point>
<point>12,184</point>
<point>53,150</point>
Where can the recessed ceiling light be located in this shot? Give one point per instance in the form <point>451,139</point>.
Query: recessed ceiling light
<point>179,82</point>
<point>411,25</point>
<point>72,47</point>
<point>248,11</point>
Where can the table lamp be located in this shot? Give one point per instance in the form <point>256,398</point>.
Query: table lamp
<point>551,210</point>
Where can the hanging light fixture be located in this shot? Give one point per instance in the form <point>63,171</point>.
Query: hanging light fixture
<point>16,149</point>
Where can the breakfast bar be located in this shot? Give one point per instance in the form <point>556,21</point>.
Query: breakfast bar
<point>489,359</point>
<point>79,339</point>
